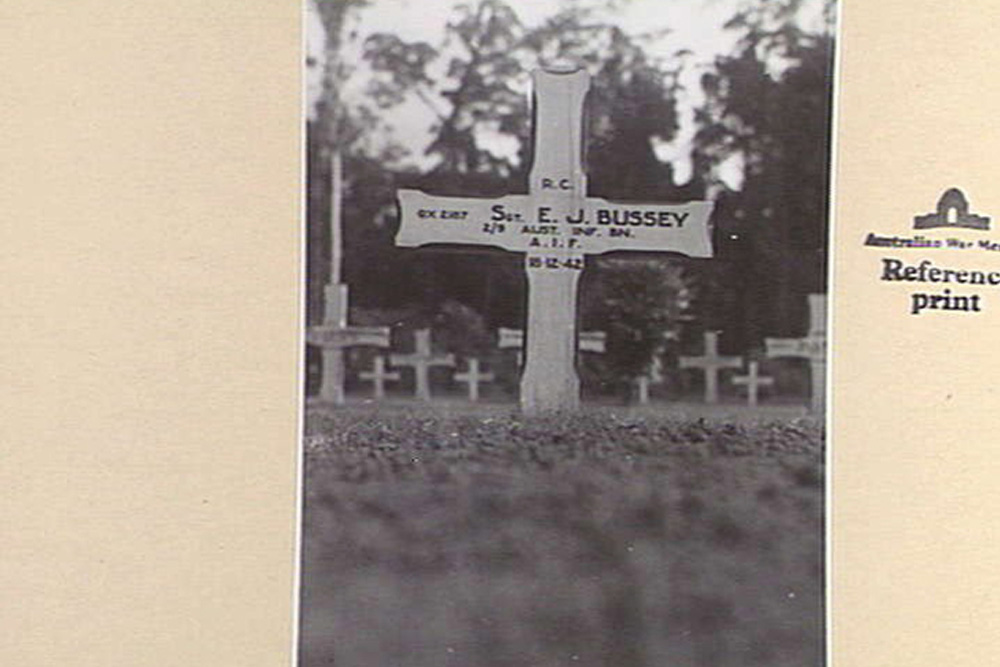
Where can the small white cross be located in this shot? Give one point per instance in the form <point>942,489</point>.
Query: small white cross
<point>473,377</point>
<point>753,382</point>
<point>711,363</point>
<point>421,360</point>
<point>378,376</point>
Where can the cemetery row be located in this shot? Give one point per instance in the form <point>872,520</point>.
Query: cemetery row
<point>744,375</point>
<point>554,227</point>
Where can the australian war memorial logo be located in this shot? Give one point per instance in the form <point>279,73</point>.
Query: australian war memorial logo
<point>942,228</point>
<point>952,211</point>
<point>948,283</point>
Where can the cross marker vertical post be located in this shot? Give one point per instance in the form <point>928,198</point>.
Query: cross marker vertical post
<point>558,185</point>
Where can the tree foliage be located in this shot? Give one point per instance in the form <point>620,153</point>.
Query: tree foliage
<point>767,108</point>
<point>334,115</point>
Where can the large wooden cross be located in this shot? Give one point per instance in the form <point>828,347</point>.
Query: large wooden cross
<point>556,225</point>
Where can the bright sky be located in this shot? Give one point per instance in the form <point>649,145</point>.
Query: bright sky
<point>695,25</point>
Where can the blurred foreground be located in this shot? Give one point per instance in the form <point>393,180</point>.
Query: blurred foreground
<point>489,540</point>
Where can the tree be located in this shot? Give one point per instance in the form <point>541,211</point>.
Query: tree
<point>768,107</point>
<point>338,125</point>
<point>490,54</point>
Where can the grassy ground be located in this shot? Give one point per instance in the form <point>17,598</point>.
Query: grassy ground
<point>482,539</point>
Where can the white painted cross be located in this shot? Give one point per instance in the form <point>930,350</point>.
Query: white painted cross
<point>753,382</point>
<point>513,339</point>
<point>334,335</point>
<point>811,347</point>
<point>556,225</point>
<point>711,363</point>
<point>421,360</point>
<point>473,377</point>
<point>378,376</point>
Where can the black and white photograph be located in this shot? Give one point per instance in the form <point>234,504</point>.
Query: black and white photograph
<point>495,333</point>
<point>565,348</point>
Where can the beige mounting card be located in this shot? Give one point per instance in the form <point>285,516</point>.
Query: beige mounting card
<point>152,308</point>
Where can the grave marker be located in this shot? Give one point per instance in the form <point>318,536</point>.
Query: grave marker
<point>811,347</point>
<point>421,360</point>
<point>753,381</point>
<point>335,335</point>
<point>556,226</point>
<point>711,363</point>
<point>378,376</point>
<point>473,377</point>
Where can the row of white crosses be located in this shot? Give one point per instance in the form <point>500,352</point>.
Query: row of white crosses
<point>711,363</point>
<point>556,226</point>
<point>423,359</point>
<point>811,347</point>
